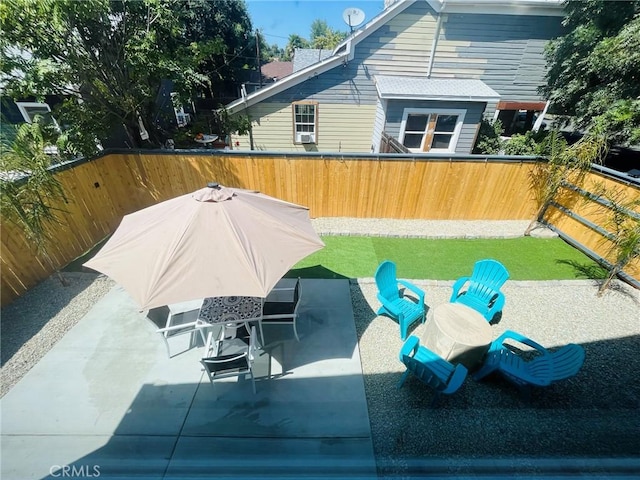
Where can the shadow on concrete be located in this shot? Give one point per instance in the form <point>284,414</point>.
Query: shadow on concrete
<point>316,271</point>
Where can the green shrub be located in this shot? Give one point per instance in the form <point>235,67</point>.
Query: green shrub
<point>488,141</point>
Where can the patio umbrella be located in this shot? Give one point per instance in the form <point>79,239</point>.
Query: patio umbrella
<point>216,241</point>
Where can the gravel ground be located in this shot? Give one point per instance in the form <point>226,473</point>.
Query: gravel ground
<point>595,414</point>
<point>485,419</point>
<point>33,323</point>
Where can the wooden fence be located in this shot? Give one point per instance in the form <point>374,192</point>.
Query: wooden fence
<point>101,191</point>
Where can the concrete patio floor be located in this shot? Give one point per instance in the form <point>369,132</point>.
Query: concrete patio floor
<point>107,402</point>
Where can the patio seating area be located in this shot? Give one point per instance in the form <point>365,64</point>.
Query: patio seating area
<point>584,426</point>
<point>108,396</point>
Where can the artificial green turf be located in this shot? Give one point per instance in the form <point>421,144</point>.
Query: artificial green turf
<point>526,258</point>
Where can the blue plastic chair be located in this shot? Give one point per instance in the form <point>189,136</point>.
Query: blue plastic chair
<point>430,368</point>
<point>404,310</point>
<point>481,291</point>
<point>542,370</point>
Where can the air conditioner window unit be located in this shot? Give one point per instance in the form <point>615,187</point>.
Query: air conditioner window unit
<point>305,137</point>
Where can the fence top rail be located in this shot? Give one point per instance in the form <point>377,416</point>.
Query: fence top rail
<point>424,157</point>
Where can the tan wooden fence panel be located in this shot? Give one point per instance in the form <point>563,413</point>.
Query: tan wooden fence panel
<point>100,192</point>
<point>576,214</point>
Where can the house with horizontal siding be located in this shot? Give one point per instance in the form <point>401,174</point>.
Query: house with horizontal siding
<point>424,72</point>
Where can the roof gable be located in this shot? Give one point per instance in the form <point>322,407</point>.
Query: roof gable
<point>344,51</point>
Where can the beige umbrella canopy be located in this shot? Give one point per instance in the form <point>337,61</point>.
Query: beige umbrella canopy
<point>216,241</point>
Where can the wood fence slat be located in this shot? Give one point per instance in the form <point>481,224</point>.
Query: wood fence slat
<point>102,191</point>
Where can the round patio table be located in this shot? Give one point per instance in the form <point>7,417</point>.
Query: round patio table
<point>230,313</point>
<point>458,334</point>
<point>223,310</point>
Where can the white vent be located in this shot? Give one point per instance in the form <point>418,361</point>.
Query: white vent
<point>305,137</point>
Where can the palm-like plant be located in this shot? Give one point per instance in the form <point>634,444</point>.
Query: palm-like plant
<point>623,224</point>
<point>28,189</point>
<point>565,164</point>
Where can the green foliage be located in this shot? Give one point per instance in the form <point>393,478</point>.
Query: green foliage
<point>271,53</point>
<point>108,57</point>
<point>324,37</point>
<point>295,41</point>
<point>521,144</point>
<point>593,69</point>
<point>623,224</point>
<point>27,187</point>
<point>488,141</point>
<point>564,164</point>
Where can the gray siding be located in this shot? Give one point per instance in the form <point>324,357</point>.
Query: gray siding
<point>395,111</point>
<point>400,47</point>
<point>504,51</point>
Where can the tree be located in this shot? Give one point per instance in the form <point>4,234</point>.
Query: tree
<point>221,37</point>
<point>107,58</point>
<point>271,53</point>
<point>593,69</point>
<point>295,41</point>
<point>323,36</point>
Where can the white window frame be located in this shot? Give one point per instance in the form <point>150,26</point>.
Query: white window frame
<point>182,118</point>
<point>22,106</point>
<point>455,135</point>
<point>298,136</point>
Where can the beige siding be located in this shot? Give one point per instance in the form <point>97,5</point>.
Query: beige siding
<point>341,128</point>
<point>404,45</point>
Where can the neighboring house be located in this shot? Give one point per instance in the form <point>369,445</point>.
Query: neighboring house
<point>274,71</point>
<point>168,115</point>
<point>424,72</point>
<point>12,114</point>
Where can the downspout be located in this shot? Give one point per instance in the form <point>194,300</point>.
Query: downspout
<point>538,124</point>
<point>434,44</point>
<point>243,92</point>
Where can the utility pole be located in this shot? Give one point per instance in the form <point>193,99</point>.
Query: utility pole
<point>258,55</point>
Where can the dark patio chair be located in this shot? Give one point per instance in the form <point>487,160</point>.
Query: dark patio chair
<point>233,356</point>
<point>281,307</point>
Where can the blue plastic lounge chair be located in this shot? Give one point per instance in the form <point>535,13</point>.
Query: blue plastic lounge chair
<point>430,368</point>
<point>394,304</point>
<point>481,291</point>
<point>542,370</point>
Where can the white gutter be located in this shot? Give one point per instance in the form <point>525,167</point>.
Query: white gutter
<point>442,98</point>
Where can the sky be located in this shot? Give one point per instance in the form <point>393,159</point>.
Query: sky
<point>277,19</point>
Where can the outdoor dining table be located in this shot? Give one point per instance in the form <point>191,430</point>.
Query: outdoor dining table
<point>458,334</point>
<point>229,312</point>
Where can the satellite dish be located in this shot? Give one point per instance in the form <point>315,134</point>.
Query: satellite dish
<point>353,17</point>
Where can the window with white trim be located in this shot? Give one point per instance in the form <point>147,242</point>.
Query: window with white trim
<point>29,110</point>
<point>182,118</point>
<point>305,122</point>
<point>434,131</point>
